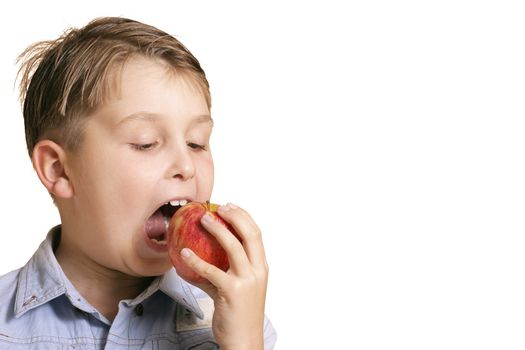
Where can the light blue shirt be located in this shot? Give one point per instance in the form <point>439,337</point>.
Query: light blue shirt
<point>40,309</point>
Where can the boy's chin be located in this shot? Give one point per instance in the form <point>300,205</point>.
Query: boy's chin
<point>148,267</point>
<point>151,269</point>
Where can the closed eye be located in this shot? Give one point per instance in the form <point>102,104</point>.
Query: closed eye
<point>196,146</point>
<point>144,146</point>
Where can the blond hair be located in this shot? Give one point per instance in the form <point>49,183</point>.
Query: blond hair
<point>61,81</point>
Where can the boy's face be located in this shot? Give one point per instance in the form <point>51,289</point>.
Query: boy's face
<point>147,146</point>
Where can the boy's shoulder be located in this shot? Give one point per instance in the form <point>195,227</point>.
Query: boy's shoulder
<point>8,282</point>
<point>20,291</point>
<point>8,288</point>
<point>10,325</point>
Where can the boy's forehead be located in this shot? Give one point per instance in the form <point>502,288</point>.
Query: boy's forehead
<point>131,69</point>
<point>146,90</point>
<point>148,71</point>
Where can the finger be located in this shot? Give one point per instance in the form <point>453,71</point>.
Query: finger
<point>249,232</point>
<point>213,274</point>
<point>237,256</point>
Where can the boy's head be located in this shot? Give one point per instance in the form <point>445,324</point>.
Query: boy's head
<point>63,80</point>
<point>118,124</point>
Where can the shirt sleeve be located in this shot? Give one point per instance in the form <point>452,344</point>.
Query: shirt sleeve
<point>270,335</point>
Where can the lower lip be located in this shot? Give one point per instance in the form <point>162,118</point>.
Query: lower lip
<point>160,248</point>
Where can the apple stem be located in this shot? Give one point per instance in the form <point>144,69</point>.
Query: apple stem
<point>208,205</point>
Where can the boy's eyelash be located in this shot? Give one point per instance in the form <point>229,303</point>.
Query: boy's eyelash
<point>149,146</point>
<point>196,146</point>
<point>143,146</point>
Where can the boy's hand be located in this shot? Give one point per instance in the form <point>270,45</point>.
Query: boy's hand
<point>240,293</point>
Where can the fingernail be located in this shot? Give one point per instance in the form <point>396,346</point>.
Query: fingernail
<point>207,218</point>
<point>185,253</point>
<point>227,207</point>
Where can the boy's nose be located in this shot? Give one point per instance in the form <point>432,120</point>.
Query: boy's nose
<point>182,166</point>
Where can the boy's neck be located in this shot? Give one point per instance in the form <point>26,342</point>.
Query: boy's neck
<point>101,287</point>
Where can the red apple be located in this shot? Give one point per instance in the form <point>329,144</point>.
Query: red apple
<point>186,231</point>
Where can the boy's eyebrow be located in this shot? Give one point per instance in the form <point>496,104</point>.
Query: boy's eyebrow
<point>152,117</point>
<point>204,118</point>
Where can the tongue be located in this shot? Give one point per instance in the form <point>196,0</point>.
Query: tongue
<point>155,226</point>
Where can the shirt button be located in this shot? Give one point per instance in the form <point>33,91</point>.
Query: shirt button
<point>139,310</point>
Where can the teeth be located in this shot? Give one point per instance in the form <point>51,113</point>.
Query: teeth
<point>178,203</point>
<point>160,242</point>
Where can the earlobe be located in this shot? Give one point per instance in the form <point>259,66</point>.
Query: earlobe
<point>49,162</point>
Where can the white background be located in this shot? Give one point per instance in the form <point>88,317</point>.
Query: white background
<point>379,145</point>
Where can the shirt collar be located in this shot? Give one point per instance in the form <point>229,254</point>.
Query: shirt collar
<point>42,280</point>
<point>176,288</point>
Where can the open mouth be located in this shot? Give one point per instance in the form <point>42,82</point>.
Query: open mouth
<point>156,227</point>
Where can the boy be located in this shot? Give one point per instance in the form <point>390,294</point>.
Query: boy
<point>117,119</point>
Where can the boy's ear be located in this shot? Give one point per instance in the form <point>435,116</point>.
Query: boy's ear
<point>49,162</point>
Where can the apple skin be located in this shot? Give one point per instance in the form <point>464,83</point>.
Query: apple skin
<point>186,231</point>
